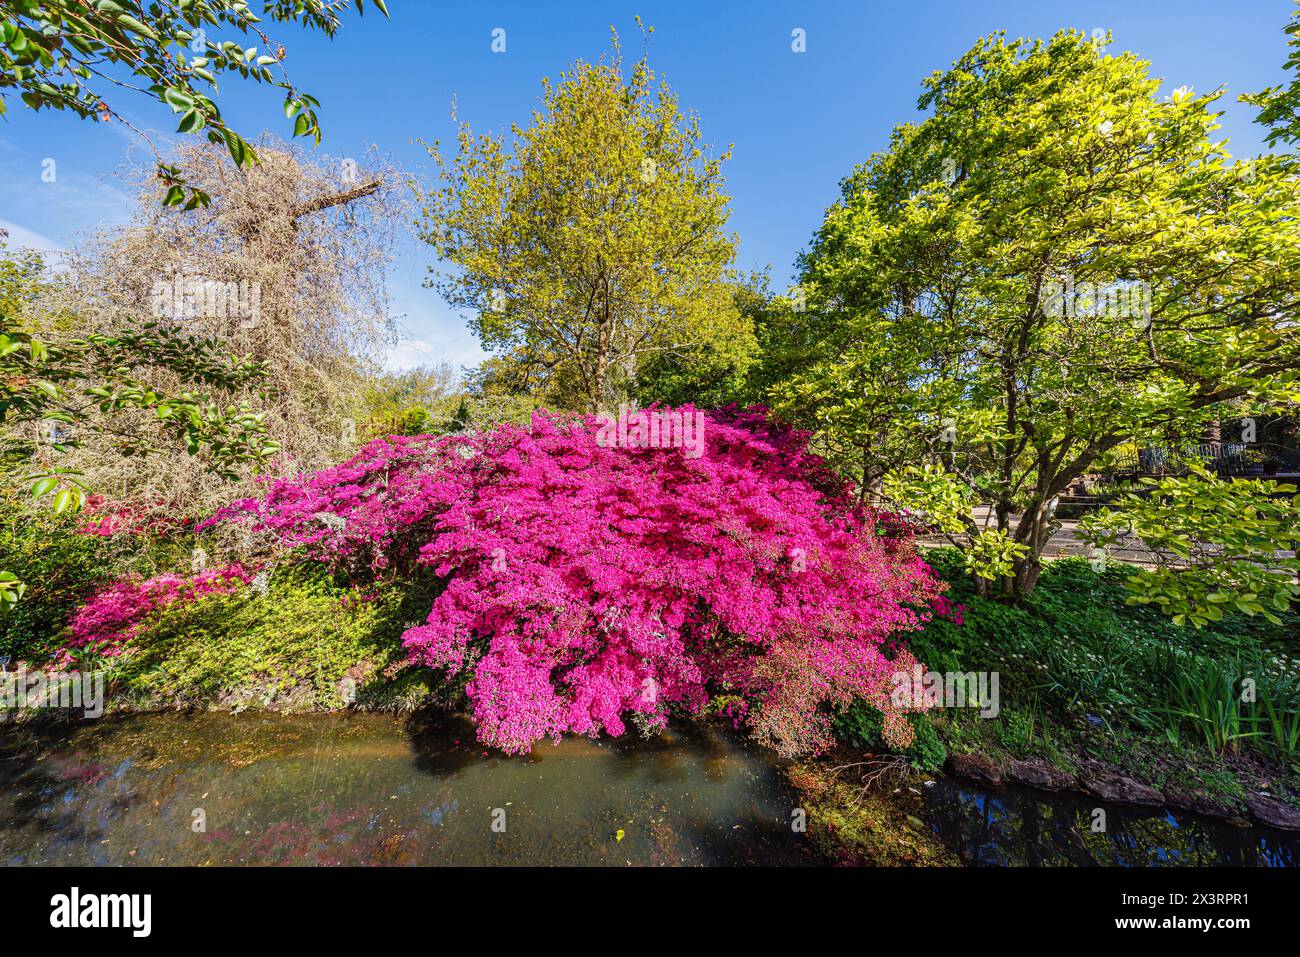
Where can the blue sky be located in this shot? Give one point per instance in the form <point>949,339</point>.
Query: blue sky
<point>798,121</point>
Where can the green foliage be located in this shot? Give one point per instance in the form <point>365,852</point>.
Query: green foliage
<point>50,392</point>
<point>1222,702</point>
<point>82,382</point>
<point>1218,545</point>
<point>12,590</point>
<point>1035,274</point>
<point>945,503</point>
<point>423,401</point>
<point>59,569</point>
<point>860,724</point>
<point>289,649</point>
<point>56,52</point>
<point>1018,729</point>
<point>592,244</point>
<point>22,277</point>
<point>927,752</point>
<point>1078,647</point>
<point>92,656</point>
<point>1279,107</point>
<point>717,373</point>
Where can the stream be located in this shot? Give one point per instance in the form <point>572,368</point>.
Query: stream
<point>362,789</point>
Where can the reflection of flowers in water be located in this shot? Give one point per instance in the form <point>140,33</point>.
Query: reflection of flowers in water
<point>344,837</point>
<point>79,774</point>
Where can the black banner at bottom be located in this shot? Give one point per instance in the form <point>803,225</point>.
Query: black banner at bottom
<point>214,906</point>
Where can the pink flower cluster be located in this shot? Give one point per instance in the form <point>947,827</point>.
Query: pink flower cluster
<point>369,511</point>
<point>116,614</point>
<point>587,585</point>
<point>104,518</point>
<point>945,607</point>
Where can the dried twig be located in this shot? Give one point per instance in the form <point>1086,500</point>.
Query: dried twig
<point>877,771</point>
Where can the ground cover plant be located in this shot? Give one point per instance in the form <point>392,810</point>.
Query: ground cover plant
<point>1080,662</point>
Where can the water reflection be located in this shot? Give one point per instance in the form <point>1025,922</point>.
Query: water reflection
<point>370,789</point>
<point>1021,827</point>
<point>373,789</point>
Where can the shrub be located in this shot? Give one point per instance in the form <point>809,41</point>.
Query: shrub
<point>60,566</point>
<point>117,613</point>
<point>589,581</point>
<point>861,725</point>
<point>289,647</point>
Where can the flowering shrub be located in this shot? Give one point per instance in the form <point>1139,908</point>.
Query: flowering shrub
<point>588,584</point>
<point>117,613</point>
<point>369,511</point>
<point>103,518</point>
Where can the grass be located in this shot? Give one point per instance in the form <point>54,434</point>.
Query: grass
<point>1083,673</point>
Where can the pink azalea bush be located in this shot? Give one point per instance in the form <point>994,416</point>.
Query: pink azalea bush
<point>589,585</point>
<point>104,518</point>
<point>116,614</point>
<point>371,511</point>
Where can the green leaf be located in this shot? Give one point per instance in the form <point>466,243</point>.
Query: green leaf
<point>190,122</point>
<point>179,100</point>
<point>237,147</point>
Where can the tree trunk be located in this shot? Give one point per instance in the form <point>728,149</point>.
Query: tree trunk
<point>1034,529</point>
<point>600,398</point>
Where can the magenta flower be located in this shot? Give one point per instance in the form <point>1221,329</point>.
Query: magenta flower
<point>591,583</point>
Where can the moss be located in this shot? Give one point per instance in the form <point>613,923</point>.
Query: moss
<point>875,827</point>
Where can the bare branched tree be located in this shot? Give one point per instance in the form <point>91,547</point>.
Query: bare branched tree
<point>286,267</point>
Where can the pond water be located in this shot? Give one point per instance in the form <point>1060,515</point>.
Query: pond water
<point>1018,826</point>
<point>376,789</point>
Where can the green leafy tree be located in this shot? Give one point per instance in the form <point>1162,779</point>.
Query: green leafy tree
<point>593,242</point>
<point>1279,107</point>
<point>1217,546</point>
<point>66,55</point>
<point>1054,262</point>
<point>718,371</point>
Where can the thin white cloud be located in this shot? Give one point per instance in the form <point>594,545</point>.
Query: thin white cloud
<point>20,237</point>
<point>412,353</point>
<point>431,331</point>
